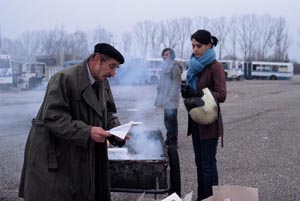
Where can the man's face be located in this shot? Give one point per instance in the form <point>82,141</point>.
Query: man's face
<point>105,69</point>
<point>166,56</point>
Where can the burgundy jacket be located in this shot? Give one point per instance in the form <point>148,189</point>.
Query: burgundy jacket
<point>213,77</point>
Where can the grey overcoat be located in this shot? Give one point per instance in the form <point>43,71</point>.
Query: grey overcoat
<point>168,88</point>
<point>59,160</point>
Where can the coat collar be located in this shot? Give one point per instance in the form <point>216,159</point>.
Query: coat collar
<point>87,90</point>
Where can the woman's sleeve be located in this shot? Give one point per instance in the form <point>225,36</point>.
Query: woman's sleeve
<point>219,83</point>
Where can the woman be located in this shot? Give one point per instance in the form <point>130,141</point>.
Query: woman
<point>205,72</point>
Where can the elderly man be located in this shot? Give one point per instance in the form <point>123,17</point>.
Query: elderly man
<point>66,150</point>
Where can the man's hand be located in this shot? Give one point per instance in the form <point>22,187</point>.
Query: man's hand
<point>98,134</point>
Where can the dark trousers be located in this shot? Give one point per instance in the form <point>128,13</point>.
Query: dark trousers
<point>171,124</point>
<point>102,177</point>
<point>206,163</point>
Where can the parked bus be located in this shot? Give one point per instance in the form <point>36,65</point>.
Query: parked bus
<point>269,70</point>
<point>233,69</point>
<point>29,74</point>
<point>6,79</point>
<point>154,66</point>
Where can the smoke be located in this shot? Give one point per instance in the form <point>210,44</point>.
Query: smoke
<point>146,144</point>
<point>143,145</point>
<point>136,103</point>
<point>133,72</point>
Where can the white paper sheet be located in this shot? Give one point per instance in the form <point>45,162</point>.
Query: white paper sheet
<point>122,130</point>
<point>172,197</point>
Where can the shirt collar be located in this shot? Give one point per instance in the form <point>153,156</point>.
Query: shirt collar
<point>91,78</point>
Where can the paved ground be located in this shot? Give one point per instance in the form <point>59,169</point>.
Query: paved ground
<point>261,121</point>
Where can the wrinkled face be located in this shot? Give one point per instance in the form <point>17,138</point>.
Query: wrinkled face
<point>198,48</point>
<point>105,69</point>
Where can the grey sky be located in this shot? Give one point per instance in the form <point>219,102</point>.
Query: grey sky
<point>117,16</point>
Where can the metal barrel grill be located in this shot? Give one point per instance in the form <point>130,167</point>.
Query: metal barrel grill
<point>141,166</point>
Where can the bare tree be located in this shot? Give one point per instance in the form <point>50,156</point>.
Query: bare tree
<point>233,30</point>
<point>201,23</point>
<point>185,26</point>
<point>220,30</point>
<point>14,48</point>
<point>171,36</point>
<point>281,40</point>
<point>0,40</point>
<point>298,30</point>
<point>101,35</point>
<point>77,45</point>
<point>33,42</point>
<point>126,43</point>
<point>155,39</point>
<point>266,27</point>
<point>54,44</point>
<point>141,32</point>
<point>248,34</point>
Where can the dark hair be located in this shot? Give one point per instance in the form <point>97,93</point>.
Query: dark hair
<point>172,53</point>
<point>204,37</point>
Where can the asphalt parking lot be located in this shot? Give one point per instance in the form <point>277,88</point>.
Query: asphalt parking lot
<point>261,142</point>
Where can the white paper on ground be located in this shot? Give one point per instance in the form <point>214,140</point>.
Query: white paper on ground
<point>122,130</point>
<point>188,197</point>
<point>172,197</point>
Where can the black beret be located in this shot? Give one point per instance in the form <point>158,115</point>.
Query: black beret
<point>108,50</point>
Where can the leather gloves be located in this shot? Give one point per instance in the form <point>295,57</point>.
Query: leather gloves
<point>193,102</point>
<point>187,91</point>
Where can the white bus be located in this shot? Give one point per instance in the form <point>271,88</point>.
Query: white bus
<point>234,70</point>
<point>6,78</point>
<point>29,74</point>
<point>154,66</point>
<point>269,70</point>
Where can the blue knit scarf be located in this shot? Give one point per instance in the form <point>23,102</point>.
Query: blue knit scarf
<point>197,65</point>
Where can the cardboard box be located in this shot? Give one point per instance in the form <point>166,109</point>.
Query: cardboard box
<point>233,193</point>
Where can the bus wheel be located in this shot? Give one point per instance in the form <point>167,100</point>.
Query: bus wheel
<point>273,77</point>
